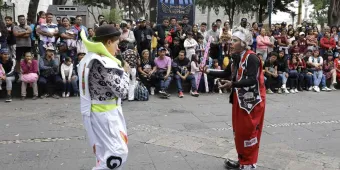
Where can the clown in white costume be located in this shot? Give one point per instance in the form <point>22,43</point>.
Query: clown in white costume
<point>103,82</point>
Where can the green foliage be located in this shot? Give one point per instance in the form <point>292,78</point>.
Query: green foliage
<point>320,11</point>
<point>96,3</point>
<point>115,15</point>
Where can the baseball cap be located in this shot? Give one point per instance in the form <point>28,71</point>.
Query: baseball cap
<point>161,49</point>
<point>49,47</point>
<point>244,20</point>
<point>214,24</point>
<point>302,33</point>
<point>4,51</point>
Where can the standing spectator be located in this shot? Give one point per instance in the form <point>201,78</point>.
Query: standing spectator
<point>282,70</point>
<point>32,36</point>
<point>163,64</point>
<point>147,70</point>
<point>263,43</point>
<point>185,24</point>
<point>66,70</point>
<point>11,41</point>
<point>49,74</point>
<point>200,48</point>
<point>225,41</point>
<point>8,63</point>
<point>59,22</point>
<point>327,43</point>
<point>227,28</point>
<point>302,42</point>
<point>79,25</point>
<point>91,34</point>
<point>312,40</point>
<point>195,33</point>
<point>214,46</point>
<point>22,34</point>
<point>295,65</point>
<point>190,45</point>
<point>100,18</point>
<point>256,32</point>
<point>47,33</point>
<point>173,23</point>
<point>329,70</point>
<point>182,72</point>
<point>127,35</point>
<point>66,35</point>
<point>283,42</point>
<point>203,29</point>
<point>162,31</point>
<point>131,57</point>
<point>103,22</point>
<point>274,81</point>
<point>175,48</point>
<point>179,34</point>
<point>29,71</point>
<point>334,33</point>
<point>3,35</point>
<point>143,37</point>
<point>219,23</point>
<point>316,62</point>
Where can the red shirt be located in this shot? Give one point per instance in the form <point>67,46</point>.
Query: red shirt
<point>303,45</point>
<point>326,43</point>
<point>292,66</point>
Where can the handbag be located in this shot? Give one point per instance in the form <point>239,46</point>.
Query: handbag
<point>29,78</point>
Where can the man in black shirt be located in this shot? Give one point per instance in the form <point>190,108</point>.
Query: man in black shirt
<point>143,35</point>
<point>11,41</point>
<point>182,72</point>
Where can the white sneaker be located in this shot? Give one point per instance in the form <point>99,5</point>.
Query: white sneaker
<point>296,91</point>
<point>328,89</point>
<point>292,91</point>
<point>310,88</point>
<point>220,91</point>
<point>317,89</point>
<point>152,89</point>
<point>279,91</point>
<point>0,87</point>
<point>63,94</point>
<point>285,91</point>
<point>68,94</point>
<point>332,87</point>
<point>324,89</point>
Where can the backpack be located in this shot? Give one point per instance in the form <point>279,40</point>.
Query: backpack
<point>141,92</point>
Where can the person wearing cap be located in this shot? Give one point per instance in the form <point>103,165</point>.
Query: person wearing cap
<point>244,22</point>
<point>49,74</point>
<point>163,64</point>
<point>302,42</point>
<point>143,36</point>
<point>248,98</point>
<point>8,64</point>
<point>190,45</point>
<point>104,81</point>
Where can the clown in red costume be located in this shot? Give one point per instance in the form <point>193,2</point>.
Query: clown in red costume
<point>248,97</point>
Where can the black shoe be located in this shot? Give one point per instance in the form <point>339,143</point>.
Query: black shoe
<point>35,98</point>
<point>9,98</point>
<point>23,97</point>
<point>44,96</point>
<point>231,164</point>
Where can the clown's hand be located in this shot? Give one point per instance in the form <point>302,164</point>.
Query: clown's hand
<point>225,84</point>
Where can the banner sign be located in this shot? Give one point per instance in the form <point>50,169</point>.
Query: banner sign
<point>175,8</point>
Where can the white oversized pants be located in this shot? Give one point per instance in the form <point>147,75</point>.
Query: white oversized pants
<point>132,84</point>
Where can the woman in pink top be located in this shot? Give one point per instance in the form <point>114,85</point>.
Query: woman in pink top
<point>263,43</point>
<point>29,71</point>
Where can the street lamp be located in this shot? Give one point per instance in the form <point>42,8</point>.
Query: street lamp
<point>6,7</point>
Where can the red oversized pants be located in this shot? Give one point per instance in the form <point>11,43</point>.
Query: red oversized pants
<point>247,131</point>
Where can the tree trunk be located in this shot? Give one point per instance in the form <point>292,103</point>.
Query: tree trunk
<point>261,13</point>
<point>334,13</point>
<point>113,4</point>
<point>32,10</point>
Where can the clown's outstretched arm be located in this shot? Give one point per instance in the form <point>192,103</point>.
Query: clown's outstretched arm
<point>116,79</point>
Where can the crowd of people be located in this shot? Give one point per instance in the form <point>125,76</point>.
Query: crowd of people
<point>44,55</point>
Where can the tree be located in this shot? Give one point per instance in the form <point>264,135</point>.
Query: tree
<point>334,12</point>
<point>32,10</point>
<point>114,15</point>
<point>320,10</point>
<point>94,4</point>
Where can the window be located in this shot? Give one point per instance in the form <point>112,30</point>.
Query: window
<point>67,9</point>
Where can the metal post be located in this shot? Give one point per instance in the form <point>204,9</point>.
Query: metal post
<point>129,1</point>
<point>300,12</point>
<point>14,12</point>
<point>208,18</point>
<point>270,9</point>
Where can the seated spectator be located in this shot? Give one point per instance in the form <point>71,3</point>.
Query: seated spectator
<point>163,74</point>
<point>273,81</point>
<point>329,70</point>
<point>190,45</point>
<point>316,63</point>
<point>217,81</point>
<point>29,75</point>
<point>175,48</point>
<point>49,74</point>
<point>66,71</point>
<point>295,49</point>
<point>307,72</point>
<point>131,57</point>
<point>337,68</point>
<point>200,48</point>
<point>283,42</point>
<point>282,70</point>
<point>91,34</point>
<point>302,42</point>
<point>8,64</point>
<point>295,65</point>
<point>168,50</point>
<point>147,70</point>
<point>327,43</point>
<point>312,40</point>
<point>183,72</point>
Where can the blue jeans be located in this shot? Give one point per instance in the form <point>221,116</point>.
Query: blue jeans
<point>308,80</point>
<point>66,87</point>
<point>317,77</point>
<point>165,83</point>
<point>74,82</point>
<point>42,49</point>
<point>190,78</point>
<point>323,81</point>
<point>283,77</point>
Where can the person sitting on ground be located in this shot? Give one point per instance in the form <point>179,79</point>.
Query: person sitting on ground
<point>8,64</point>
<point>49,74</point>
<point>329,70</point>
<point>66,71</point>
<point>131,57</point>
<point>183,71</point>
<point>163,74</point>
<point>175,48</point>
<point>307,72</point>
<point>29,75</point>
<point>282,70</point>
<point>295,65</point>
<point>316,62</point>
<point>146,69</point>
<point>337,68</point>
<point>273,81</point>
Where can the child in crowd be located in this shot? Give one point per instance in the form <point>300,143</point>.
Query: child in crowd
<point>29,75</point>
<point>167,48</point>
<point>225,40</point>
<point>2,75</point>
<point>66,74</point>
<point>175,48</point>
<point>42,18</point>
<point>217,82</point>
<point>71,43</point>
<point>200,47</point>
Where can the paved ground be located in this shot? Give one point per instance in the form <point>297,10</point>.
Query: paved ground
<point>302,131</point>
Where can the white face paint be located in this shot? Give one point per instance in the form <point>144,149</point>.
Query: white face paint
<point>236,45</point>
